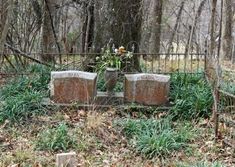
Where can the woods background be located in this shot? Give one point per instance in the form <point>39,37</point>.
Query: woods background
<point>83,26</point>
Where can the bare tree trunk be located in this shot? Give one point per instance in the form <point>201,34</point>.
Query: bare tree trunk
<point>38,11</point>
<point>151,26</point>
<point>49,37</point>
<point>212,28</point>
<point>227,31</point>
<point>193,27</point>
<point>89,26</point>
<point>233,52</point>
<point>6,25</point>
<point>175,27</point>
<point>210,69</point>
<point>102,25</point>
<point>118,23</point>
<point>159,24</point>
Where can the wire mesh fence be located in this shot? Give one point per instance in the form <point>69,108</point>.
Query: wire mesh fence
<point>147,63</point>
<point>225,124</point>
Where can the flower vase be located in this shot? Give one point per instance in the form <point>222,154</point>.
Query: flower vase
<point>111,76</point>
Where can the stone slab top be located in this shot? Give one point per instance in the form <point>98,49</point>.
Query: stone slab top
<point>73,74</point>
<point>65,154</point>
<point>145,76</point>
<point>105,94</point>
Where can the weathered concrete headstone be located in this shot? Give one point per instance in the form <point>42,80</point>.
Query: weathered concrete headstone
<point>73,86</point>
<point>66,160</point>
<point>147,89</point>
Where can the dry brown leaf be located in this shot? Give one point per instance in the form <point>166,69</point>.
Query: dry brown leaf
<point>82,113</point>
<point>66,117</point>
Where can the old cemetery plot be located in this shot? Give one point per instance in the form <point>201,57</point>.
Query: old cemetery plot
<point>141,120</point>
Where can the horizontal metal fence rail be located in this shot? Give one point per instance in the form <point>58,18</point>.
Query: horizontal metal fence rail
<point>161,63</point>
<point>225,127</point>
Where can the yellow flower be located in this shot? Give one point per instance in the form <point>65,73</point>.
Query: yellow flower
<point>121,50</point>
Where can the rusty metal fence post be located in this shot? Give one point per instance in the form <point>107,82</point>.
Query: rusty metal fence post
<point>216,113</point>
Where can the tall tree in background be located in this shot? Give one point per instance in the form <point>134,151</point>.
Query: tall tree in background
<point>110,22</point>
<point>233,22</point>
<point>151,26</point>
<point>116,21</point>
<point>212,28</point>
<point>88,25</point>
<point>49,30</point>
<point>6,17</point>
<point>193,27</point>
<point>210,69</point>
<point>170,43</point>
<point>227,31</point>
<point>102,23</point>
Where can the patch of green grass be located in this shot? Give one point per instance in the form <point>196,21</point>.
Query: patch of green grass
<point>36,82</point>
<point>21,107</point>
<point>191,97</point>
<point>228,87</point>
<point>161,144</point>
<point>159,138</point>
<point>56,139</point>
<point>21,97</point>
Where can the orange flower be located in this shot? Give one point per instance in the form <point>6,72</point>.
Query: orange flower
<point>121,50</point>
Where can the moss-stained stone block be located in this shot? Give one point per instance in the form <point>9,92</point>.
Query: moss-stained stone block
<point>147,89</point>
<point>73,86</point>
<point>66,159</point>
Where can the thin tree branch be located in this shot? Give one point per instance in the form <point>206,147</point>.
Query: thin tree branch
<point>26,55</point>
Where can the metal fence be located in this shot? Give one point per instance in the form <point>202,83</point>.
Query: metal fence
<point>225,122</point>
<point>162,63</point>
<point>147,63</point>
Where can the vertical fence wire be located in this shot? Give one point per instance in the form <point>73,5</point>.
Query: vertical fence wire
<point>226,118</point>
<point>153,63</point>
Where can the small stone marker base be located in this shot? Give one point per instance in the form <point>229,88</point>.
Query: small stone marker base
<point>66,160</point>
<point>103,98</point>
<point>73,86</point>
<point>147,89</point>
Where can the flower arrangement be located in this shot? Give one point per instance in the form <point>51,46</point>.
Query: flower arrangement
<point>112,58</point>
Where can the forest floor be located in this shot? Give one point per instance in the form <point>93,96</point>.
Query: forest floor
<point>101,142</point>
<point>31,134</point>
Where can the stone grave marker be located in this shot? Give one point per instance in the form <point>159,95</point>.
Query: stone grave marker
<point>66,160</point>
<point>73,86</point>
<point>147,89</point>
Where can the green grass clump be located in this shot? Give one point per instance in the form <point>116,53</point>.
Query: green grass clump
<point>21,97</point>
<point>191,96</point>
<point>159,138</point>
<point>22,106</point>
<point>56,139</point>
<point>228,87</point>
